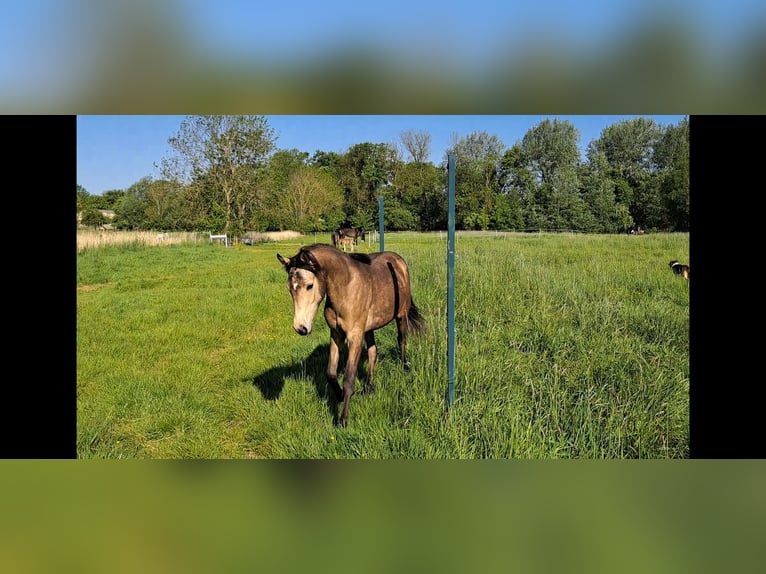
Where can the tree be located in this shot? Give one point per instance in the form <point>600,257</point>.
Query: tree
<point>627,148</point>
<point>130,210</point>
<point>164,205</point>
<point>550,155</point>
<point>417,144</point>
<point>550,149</point>
<point>671,156</point>
<point>517,190</point>
<point>82,197</point>
<point>365,171</point>
<point>92,217</point>
<point>598,192</point>
<point>419,188</point>
<point>311,199</point>
<point>270,193</point>
<point>221,157</point>
<point>477,163</point>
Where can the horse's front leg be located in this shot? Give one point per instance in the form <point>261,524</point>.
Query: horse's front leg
<point>372,357</point>
<point>336,341</point>
<point>349,377</point>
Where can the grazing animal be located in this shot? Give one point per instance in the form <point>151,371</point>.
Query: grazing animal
<point>363,293</point>
<point>354,233</point>
<point>680,269</point>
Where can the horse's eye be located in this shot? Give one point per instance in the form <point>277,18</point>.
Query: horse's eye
<point>309,287</point>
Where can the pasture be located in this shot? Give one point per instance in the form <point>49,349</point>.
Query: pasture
<point>567,346</point>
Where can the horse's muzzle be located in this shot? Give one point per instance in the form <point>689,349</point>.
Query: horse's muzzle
<point>302,330</point>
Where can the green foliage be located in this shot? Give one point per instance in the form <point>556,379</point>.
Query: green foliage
<point>130,212</point>
<point>222,160</point>
<point>420,189</point>
<point>92,217</point>
<point>568,346</point>
<point>364,171</point>
<point>225,177</point>
<point>550,148</point>
<point>397,217</point>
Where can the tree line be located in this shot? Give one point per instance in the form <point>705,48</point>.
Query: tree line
<point>226,174</point>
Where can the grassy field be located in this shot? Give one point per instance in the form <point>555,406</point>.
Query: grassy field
<point>567,346</point>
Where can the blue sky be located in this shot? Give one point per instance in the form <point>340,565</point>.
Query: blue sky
<point>114,152</point>
<point>54,50</point>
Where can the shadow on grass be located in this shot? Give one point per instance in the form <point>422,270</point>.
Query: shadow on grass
<point>270,383</point>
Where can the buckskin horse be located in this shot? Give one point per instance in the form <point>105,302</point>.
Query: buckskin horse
<point>363,293</point>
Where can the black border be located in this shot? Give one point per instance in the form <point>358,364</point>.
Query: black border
<point>726,183</point>
<point>39,414</point>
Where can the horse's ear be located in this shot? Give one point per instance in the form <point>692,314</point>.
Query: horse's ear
<point>283,261</point>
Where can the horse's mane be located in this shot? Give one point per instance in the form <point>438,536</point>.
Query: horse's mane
<point>361,257</point>
<point>305,259</point>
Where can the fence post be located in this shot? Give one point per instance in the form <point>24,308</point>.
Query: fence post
<point>380,221</point>
<point>451,281</point>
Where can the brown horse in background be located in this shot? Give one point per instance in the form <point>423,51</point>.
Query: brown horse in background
<point>355,234</point>
<point>363,293</point>
<point>342,241</point>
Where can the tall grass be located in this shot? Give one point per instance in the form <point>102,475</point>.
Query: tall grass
<point>567,346</point>
<point>95,239</point>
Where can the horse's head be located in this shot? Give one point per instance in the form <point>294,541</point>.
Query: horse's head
<point>305,287</point>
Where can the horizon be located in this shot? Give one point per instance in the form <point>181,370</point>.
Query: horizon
<point>114,152</point>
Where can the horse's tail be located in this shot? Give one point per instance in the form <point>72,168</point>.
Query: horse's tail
<point>416,324</point>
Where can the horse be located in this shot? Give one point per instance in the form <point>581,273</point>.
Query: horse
<point>338,238</point>
<point>363,293</point>
<point>346,242</point>
<point>354,233</point>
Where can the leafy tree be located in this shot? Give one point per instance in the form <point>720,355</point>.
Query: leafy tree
<point>82,197</point>
<point>671,156</point>
<point>326,161</point>
<point>606,200</point>
<point>420,189</point>
<point>110,198</point>
<point>221,158</point>
<point>476,147</point>
<point>477,162</point>
<point>516,190</point>
<point>312,201</point>
<point>365,171</point>
<point>92,217</point>
<point>270,192</point>
<point>627,148</point>
<point>397,217</point>
<point>130,210</point>
<point>164,205</point>
<point>550,148</point>
<point>549,152</point>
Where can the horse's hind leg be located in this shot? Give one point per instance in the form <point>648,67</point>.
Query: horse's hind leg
<point>401,337</point>
<point>372,359</point>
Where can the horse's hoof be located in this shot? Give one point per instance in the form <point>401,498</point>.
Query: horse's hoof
<point>406,365</point>
<point>368,389</point>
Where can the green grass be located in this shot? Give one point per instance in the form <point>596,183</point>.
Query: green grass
<point>567,346</point>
